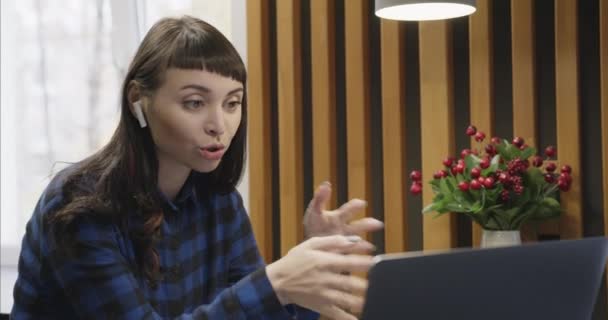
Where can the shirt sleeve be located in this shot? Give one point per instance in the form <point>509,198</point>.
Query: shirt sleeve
<point>100,284</point>
<point>245,258</point>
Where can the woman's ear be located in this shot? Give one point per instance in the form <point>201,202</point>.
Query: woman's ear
<point>139,114</point>
<point>135,103</point>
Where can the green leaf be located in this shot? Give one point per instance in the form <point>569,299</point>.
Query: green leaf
<point>456,207</point>
<point>528,152</point>
<point>471,162</point>
<point>429,208</point>
<point>444,186</point>
<point>476,207</point>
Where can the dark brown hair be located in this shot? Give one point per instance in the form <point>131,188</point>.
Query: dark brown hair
<point>122,178</point>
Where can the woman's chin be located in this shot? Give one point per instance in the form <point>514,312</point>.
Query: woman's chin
<point>206,166</point>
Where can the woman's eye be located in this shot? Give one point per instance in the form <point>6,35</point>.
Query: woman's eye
<point>193,104</point>
<point>233,105</point>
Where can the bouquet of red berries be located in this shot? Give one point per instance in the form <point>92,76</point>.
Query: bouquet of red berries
<point>501,186</point>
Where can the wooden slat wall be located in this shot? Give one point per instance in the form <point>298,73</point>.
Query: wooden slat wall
<point>481,89</point>
<point>393,135</point>
<point>437,118</point>
<point>603,13</point>
<point>290,122</point>
<point>568,112</point>
<point>524,95</point>
<point>260,146</point>
<point>356,47</point>
<point>322,42</point>
<point>524,90</point>
<point>436,106</point>
<point>437,115</point>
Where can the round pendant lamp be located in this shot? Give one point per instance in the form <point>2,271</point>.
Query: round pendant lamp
<point>423,10</point>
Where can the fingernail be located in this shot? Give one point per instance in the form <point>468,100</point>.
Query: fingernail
<point>353,239</point>
<point>326,183</point>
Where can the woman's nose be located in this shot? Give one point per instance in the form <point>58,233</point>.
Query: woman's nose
<point>214,124</point>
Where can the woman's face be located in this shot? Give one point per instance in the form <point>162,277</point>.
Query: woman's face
<point>193,117</point>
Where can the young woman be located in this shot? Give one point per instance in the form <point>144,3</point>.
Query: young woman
<point>152,226</point>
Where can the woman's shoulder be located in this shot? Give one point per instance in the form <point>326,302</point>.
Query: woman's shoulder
<point>62,187</point>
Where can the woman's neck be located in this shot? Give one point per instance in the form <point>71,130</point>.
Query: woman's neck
<point>171,176</point>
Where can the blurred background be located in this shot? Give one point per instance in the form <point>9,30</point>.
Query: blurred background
<point>62,66</point>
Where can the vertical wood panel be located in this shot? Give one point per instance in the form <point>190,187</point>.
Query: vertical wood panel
<point>481,89</point>
<point>356,47</point>
<point>522,48</point>
<point>437,118</point>
<point>604,106</point>
<point>322,38</point>
<point>260,148</point>
<point>568,112</point>
<point>290,124</point>
<point>524,89</point>
<point>393,135</point>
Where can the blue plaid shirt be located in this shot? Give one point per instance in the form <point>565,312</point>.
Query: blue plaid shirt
<point>210,266</point>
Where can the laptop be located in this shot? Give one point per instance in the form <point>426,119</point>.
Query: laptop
<point>548,280</point>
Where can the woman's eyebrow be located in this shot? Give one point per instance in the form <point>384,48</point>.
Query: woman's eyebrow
<point>197,87</point>
<point>235,91</point>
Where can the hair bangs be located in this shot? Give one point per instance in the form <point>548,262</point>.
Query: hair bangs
<point>196,49</point>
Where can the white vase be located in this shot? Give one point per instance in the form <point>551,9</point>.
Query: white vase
<point>492,238</point>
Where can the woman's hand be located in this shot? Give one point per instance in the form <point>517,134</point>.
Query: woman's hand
<point>320,222</point>
<point>311,275</point>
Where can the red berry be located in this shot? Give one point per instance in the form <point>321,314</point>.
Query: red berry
<point>453,170</point>
<point>416,189</point>
<point>488,183</point>
<point>565,176</point>
<point>416,175</point>
<point>448,161</point>
<point>479,136</point>
<point>491,150</point>
<point>485,163</point>
<point>518,141</point>
<point>464,153</point>
<point>503,177</point>
<point>550,151</point>
<point>463,186</point>
<point>475,172</point>
<point>549,178</point>
<point>523,147</point>
<point>563,185</point>
<point>471,130</point>
<point>460,168</point>
<point>537,161</point>
<point>567,169</point>
<point>440,174</point>
<point>496,140</point>
<point>475,185</point>
<point>550,167</point>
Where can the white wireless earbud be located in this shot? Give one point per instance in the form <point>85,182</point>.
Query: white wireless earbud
<point>139,114</point>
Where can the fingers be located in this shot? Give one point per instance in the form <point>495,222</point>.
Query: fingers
<point>345,263</point>
<point>364,225</point>
<point>348,210</point>
<point>346,283</point>
<point>335,242</point>
<point>322,195</point>
<point>344,301</point>
<point>335,313</point>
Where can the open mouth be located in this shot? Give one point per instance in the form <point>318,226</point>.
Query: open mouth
<point>213,152</point>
